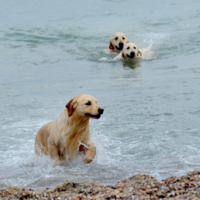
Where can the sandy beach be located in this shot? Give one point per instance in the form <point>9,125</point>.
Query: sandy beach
<point>134,187</point>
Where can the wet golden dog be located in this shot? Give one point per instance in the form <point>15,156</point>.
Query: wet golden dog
<point>118,41</point>
<point>130,50</point>
<point>69,133</point>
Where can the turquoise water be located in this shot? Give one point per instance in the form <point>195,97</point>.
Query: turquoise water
<point>51,51</point>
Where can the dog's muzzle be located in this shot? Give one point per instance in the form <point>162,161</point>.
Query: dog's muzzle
<point>97,116</point>
<point>120,46</point>
<point>132,55</point>
<point>100,110</point>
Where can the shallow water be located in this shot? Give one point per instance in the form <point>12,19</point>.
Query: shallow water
<point>51,51</point>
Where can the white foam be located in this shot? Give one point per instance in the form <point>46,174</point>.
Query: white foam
<point>103,59</point>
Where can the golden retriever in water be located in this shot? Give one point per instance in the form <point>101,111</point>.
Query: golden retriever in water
<point>130,50</point>
<point>118,41</point>
<point>70,133</point>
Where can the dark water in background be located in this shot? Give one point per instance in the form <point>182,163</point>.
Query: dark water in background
<point>51,51</point>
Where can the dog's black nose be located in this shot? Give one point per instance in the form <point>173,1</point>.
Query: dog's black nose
<point>100,110</point>
<point>132,55</point>
<point>121,45</point>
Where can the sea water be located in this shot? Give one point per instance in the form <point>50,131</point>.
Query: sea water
<point>51,51</point>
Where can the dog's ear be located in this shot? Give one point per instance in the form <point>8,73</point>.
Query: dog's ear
<point>123,55</point>
<point>111,46</point>
<point>70,107</point>
<point>139,53</point>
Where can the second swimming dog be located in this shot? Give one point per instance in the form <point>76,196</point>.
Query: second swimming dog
<point>118,41</point>
<point>130,51</point>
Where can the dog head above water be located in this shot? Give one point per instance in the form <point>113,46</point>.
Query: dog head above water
<point>84,105</point>
<point>118,41</point>
<point>131,51</point>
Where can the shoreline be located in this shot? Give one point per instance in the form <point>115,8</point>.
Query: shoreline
<point>139,186</point>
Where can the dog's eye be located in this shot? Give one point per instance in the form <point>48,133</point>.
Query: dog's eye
<point>116,38</point>
<point>128,48</point>
<point>123,38</point>
<point>134,47</point>
<point>88,103</point>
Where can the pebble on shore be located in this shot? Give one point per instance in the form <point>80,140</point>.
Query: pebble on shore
<point>135,187</point>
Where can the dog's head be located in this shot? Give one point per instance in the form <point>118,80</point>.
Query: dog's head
<point>84,105</point>
<point>131,51</point>
<point>118,41</point>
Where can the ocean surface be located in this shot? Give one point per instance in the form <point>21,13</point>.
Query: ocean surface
<point>51,51</point>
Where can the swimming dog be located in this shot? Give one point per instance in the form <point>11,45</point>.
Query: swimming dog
<point>130,50</point>
<point>118,41</point>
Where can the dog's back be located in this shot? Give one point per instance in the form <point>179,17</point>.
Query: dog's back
<point>41,138</point>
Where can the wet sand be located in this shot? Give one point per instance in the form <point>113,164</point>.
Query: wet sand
<point>134,187</point>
